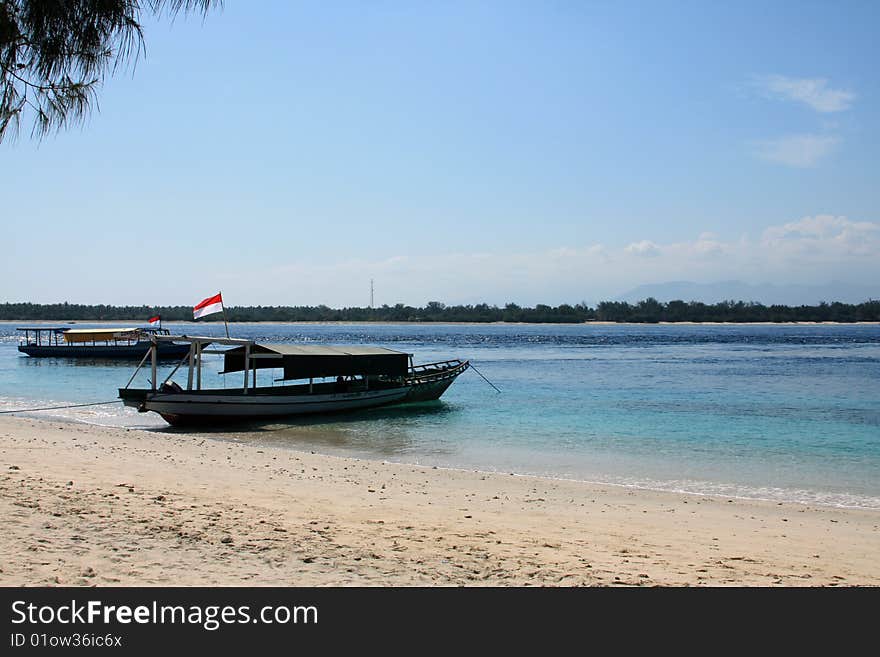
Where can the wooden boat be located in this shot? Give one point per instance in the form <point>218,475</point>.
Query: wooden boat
<point>122,343</point>
<point>359,378</point>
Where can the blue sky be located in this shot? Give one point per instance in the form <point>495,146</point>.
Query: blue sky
<point>287,152</point>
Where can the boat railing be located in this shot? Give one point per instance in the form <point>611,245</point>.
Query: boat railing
<point>54,337</point>
<point>150,331</point>
<point>40,337</point>
<point>434,371</point>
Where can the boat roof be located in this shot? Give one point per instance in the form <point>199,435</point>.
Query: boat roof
<point>320,350</point>
<point>88,335</point>
<point>95,331</point>
<point>42,328</point>
<point>308,361</point>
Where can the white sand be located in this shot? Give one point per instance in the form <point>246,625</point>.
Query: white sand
<point>85,505</point>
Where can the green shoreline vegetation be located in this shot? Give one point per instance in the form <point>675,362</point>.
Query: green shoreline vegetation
<point>648,311</point>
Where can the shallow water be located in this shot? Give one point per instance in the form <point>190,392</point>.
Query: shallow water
<point>774,412</point>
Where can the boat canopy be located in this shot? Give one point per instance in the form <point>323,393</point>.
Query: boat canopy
<point>305,362</point>
<point>89,335</point>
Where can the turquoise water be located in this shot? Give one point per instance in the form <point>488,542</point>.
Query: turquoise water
<point>774,412</point>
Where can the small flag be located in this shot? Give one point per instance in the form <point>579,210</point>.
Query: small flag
<point>209,306</point>
<point>155,320</point>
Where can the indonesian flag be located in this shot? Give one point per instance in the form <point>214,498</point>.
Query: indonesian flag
<point>209,306</point>
<point>155,320</point>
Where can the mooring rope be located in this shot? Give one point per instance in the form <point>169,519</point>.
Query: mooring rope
<point>56,408</point>
<point>484,378</point>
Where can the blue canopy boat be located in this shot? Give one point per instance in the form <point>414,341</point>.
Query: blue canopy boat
<point>122,343</point>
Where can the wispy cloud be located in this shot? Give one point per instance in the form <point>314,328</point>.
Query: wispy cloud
<point>813,92</point>
<point>812,249</point>
<point>644,248</point>
<point>824,234</point>
<point>801,151</point>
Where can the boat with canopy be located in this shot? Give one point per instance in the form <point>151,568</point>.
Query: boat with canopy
<point>360,377</point>
<point>123,343</point>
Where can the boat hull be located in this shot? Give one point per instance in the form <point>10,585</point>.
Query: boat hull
<point>429,391</point>
<point>132,352</point>
<point>188,409</point>
<point>218,407</point>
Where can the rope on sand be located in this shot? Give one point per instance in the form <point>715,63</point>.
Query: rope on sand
<point>56,408</point>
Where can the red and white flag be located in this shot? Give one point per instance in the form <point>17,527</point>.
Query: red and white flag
<point>155,320</point>
<point>209,306</point>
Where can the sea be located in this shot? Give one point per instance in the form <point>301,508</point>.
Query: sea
<point>787,413</point>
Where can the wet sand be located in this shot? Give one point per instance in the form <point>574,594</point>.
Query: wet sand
<point>87,505</point>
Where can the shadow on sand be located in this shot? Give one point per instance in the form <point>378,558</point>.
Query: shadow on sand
<point>403,412</point>
<point>378,432</point>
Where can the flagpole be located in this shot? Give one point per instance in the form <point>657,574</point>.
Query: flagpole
<point>223,308</point>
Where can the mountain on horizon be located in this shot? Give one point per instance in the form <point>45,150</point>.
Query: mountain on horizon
<point>765,293</point>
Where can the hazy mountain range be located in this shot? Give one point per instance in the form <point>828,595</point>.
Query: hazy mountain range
<point>767,293</point>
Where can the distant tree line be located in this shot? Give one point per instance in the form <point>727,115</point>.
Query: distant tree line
<point>648,311</point>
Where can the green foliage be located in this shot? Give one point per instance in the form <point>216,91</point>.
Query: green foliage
<point>54,54</point>
<point>647,311</point>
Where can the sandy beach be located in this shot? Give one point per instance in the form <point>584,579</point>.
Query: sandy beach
<point>88,505</point>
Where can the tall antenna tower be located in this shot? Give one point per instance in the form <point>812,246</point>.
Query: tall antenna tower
<point>371,293</point>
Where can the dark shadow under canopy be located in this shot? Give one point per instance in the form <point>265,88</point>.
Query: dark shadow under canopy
<point>304,362</point>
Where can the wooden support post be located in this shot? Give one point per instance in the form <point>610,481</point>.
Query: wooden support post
<point>153,350</point>
<point>140,365</point>
<point>199,362</point>
<point>192,355</point>
<point>310,385</point>
<point>247,365</point>
<point>173,372</point>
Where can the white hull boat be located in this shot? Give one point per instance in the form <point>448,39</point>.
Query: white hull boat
<point>365,377</point>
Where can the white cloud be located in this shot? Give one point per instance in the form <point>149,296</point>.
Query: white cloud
<point>801,151</point>
<point>814,249</point>
<point>643,248</point>
<point>826,236</point>
<point>813,92</point>
<point>708,247</point>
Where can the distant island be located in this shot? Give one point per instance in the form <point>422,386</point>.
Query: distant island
<point>648,311</point>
